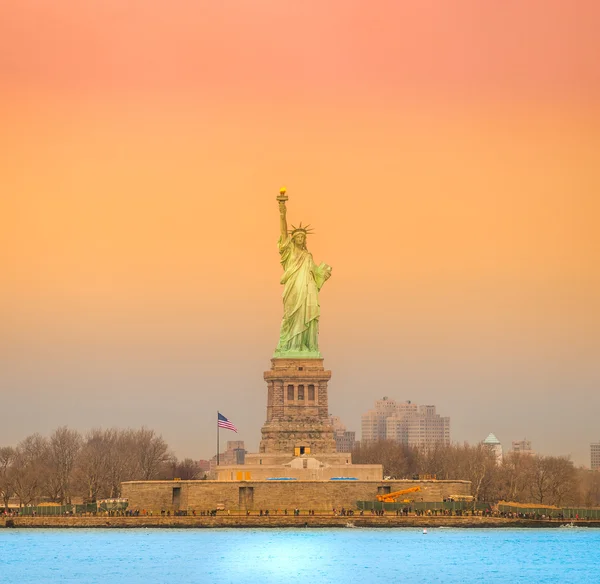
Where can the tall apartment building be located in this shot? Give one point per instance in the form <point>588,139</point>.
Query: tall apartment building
<point>406,423</point>
<point>344,439</point>
<point>373,422</point>
<point>595,455</point>
<point>522,446</point>
<point>427,428</point>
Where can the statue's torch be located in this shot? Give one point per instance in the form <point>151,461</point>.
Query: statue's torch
<point>282,197</point>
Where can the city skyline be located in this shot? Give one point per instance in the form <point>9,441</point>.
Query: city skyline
<point>448,165</point>
<point>404,422</point>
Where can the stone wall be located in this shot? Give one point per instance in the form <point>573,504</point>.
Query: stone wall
<point>301,469</point>
<point>253,521</point>
<point>273,495</point>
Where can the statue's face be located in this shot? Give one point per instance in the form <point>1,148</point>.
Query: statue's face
<point>300,239</point>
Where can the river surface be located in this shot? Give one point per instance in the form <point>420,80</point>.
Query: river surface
<point>297,556</point>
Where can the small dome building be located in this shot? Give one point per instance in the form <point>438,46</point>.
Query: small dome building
<point>494,445</point>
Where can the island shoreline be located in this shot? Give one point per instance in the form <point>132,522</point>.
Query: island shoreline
<point>284,522</point>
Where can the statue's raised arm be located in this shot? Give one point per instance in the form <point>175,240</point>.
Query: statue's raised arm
<point>302,280</point>
<point>282,198</point>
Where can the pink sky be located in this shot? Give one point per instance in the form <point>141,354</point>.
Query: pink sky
<point>283,50</point>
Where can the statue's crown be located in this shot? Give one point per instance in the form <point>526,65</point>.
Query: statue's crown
<point>300,229</point>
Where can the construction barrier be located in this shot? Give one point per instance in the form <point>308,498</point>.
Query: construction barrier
<point>55,510</point>
<point>423,506</point>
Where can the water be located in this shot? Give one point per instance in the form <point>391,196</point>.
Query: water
<point>297,556</point>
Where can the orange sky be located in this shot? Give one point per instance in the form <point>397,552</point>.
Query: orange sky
<point>447,158</point>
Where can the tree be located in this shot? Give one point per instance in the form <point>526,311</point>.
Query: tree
<point>539,481</point>
<point>462,462</point>
<point>121,462</point>
<point>397,459</point>
<point>438,460</point>
<point>151,452</point>
<point>92,467</point>
<point>589,487</point>
<point>482,470</point>
<point>188,470</point>
<point>30,469</point>
<point>562,478</point>
<point>7,458</point>
<point>64,446</point>
<point>514,477</point>
<point>552,480</point>
<point>107,458</point>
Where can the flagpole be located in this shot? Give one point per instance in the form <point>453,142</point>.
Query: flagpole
<point>217,437</point>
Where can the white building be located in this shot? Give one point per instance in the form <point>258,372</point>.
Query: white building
<point>406,423</point>
<point>373,422</point>
<point>494,445</point>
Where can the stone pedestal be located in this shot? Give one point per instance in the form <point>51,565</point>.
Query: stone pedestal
<point>297,410</point>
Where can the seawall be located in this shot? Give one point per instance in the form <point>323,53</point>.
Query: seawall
<point>281,521</point>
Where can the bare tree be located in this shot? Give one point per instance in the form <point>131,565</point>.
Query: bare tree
<point>514,477</point>
<point>562,478</point>
<point>30,466</point>
<point>151,452</point>
<point>438,460</point>
<point>64,446</point>
<point>462,462</point>
<point>106,459</point>
<point>112,456</point>
<point>398,460</point>
<point>539,481</point>
<point>92,468</point>
<point>481,469</point>
<point>589,487</point>
<point>7,458</point>
<point>122,463</point>
<point>188,470</point>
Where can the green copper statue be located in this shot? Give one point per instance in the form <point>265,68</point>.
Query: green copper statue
<point>302,279</point>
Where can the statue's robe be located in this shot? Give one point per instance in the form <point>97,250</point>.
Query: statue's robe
<point>302,280</point>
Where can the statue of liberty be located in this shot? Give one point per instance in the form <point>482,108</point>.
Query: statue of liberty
<point>302,279</point>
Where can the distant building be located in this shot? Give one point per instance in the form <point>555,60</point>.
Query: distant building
<point>345,440</point>
<point>235,454</point>
<point>595,455</point>
<point>494,445</point>
<point>204,465</point>
<point>235,450</point>
<point>406,423</point>
<point>373,422</point>
<point>522,446</point>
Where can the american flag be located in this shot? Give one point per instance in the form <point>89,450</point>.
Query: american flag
<point>223,422</point>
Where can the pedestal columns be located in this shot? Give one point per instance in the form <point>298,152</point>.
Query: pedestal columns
<point>297,408</point>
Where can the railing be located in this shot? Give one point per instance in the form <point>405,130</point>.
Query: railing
<point>58,510</point>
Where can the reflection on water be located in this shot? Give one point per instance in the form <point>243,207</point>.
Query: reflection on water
<point>110,556</point>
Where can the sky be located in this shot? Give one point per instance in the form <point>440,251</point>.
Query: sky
<point>447,155</point>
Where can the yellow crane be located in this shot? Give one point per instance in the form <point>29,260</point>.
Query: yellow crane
<point>392,497</point>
